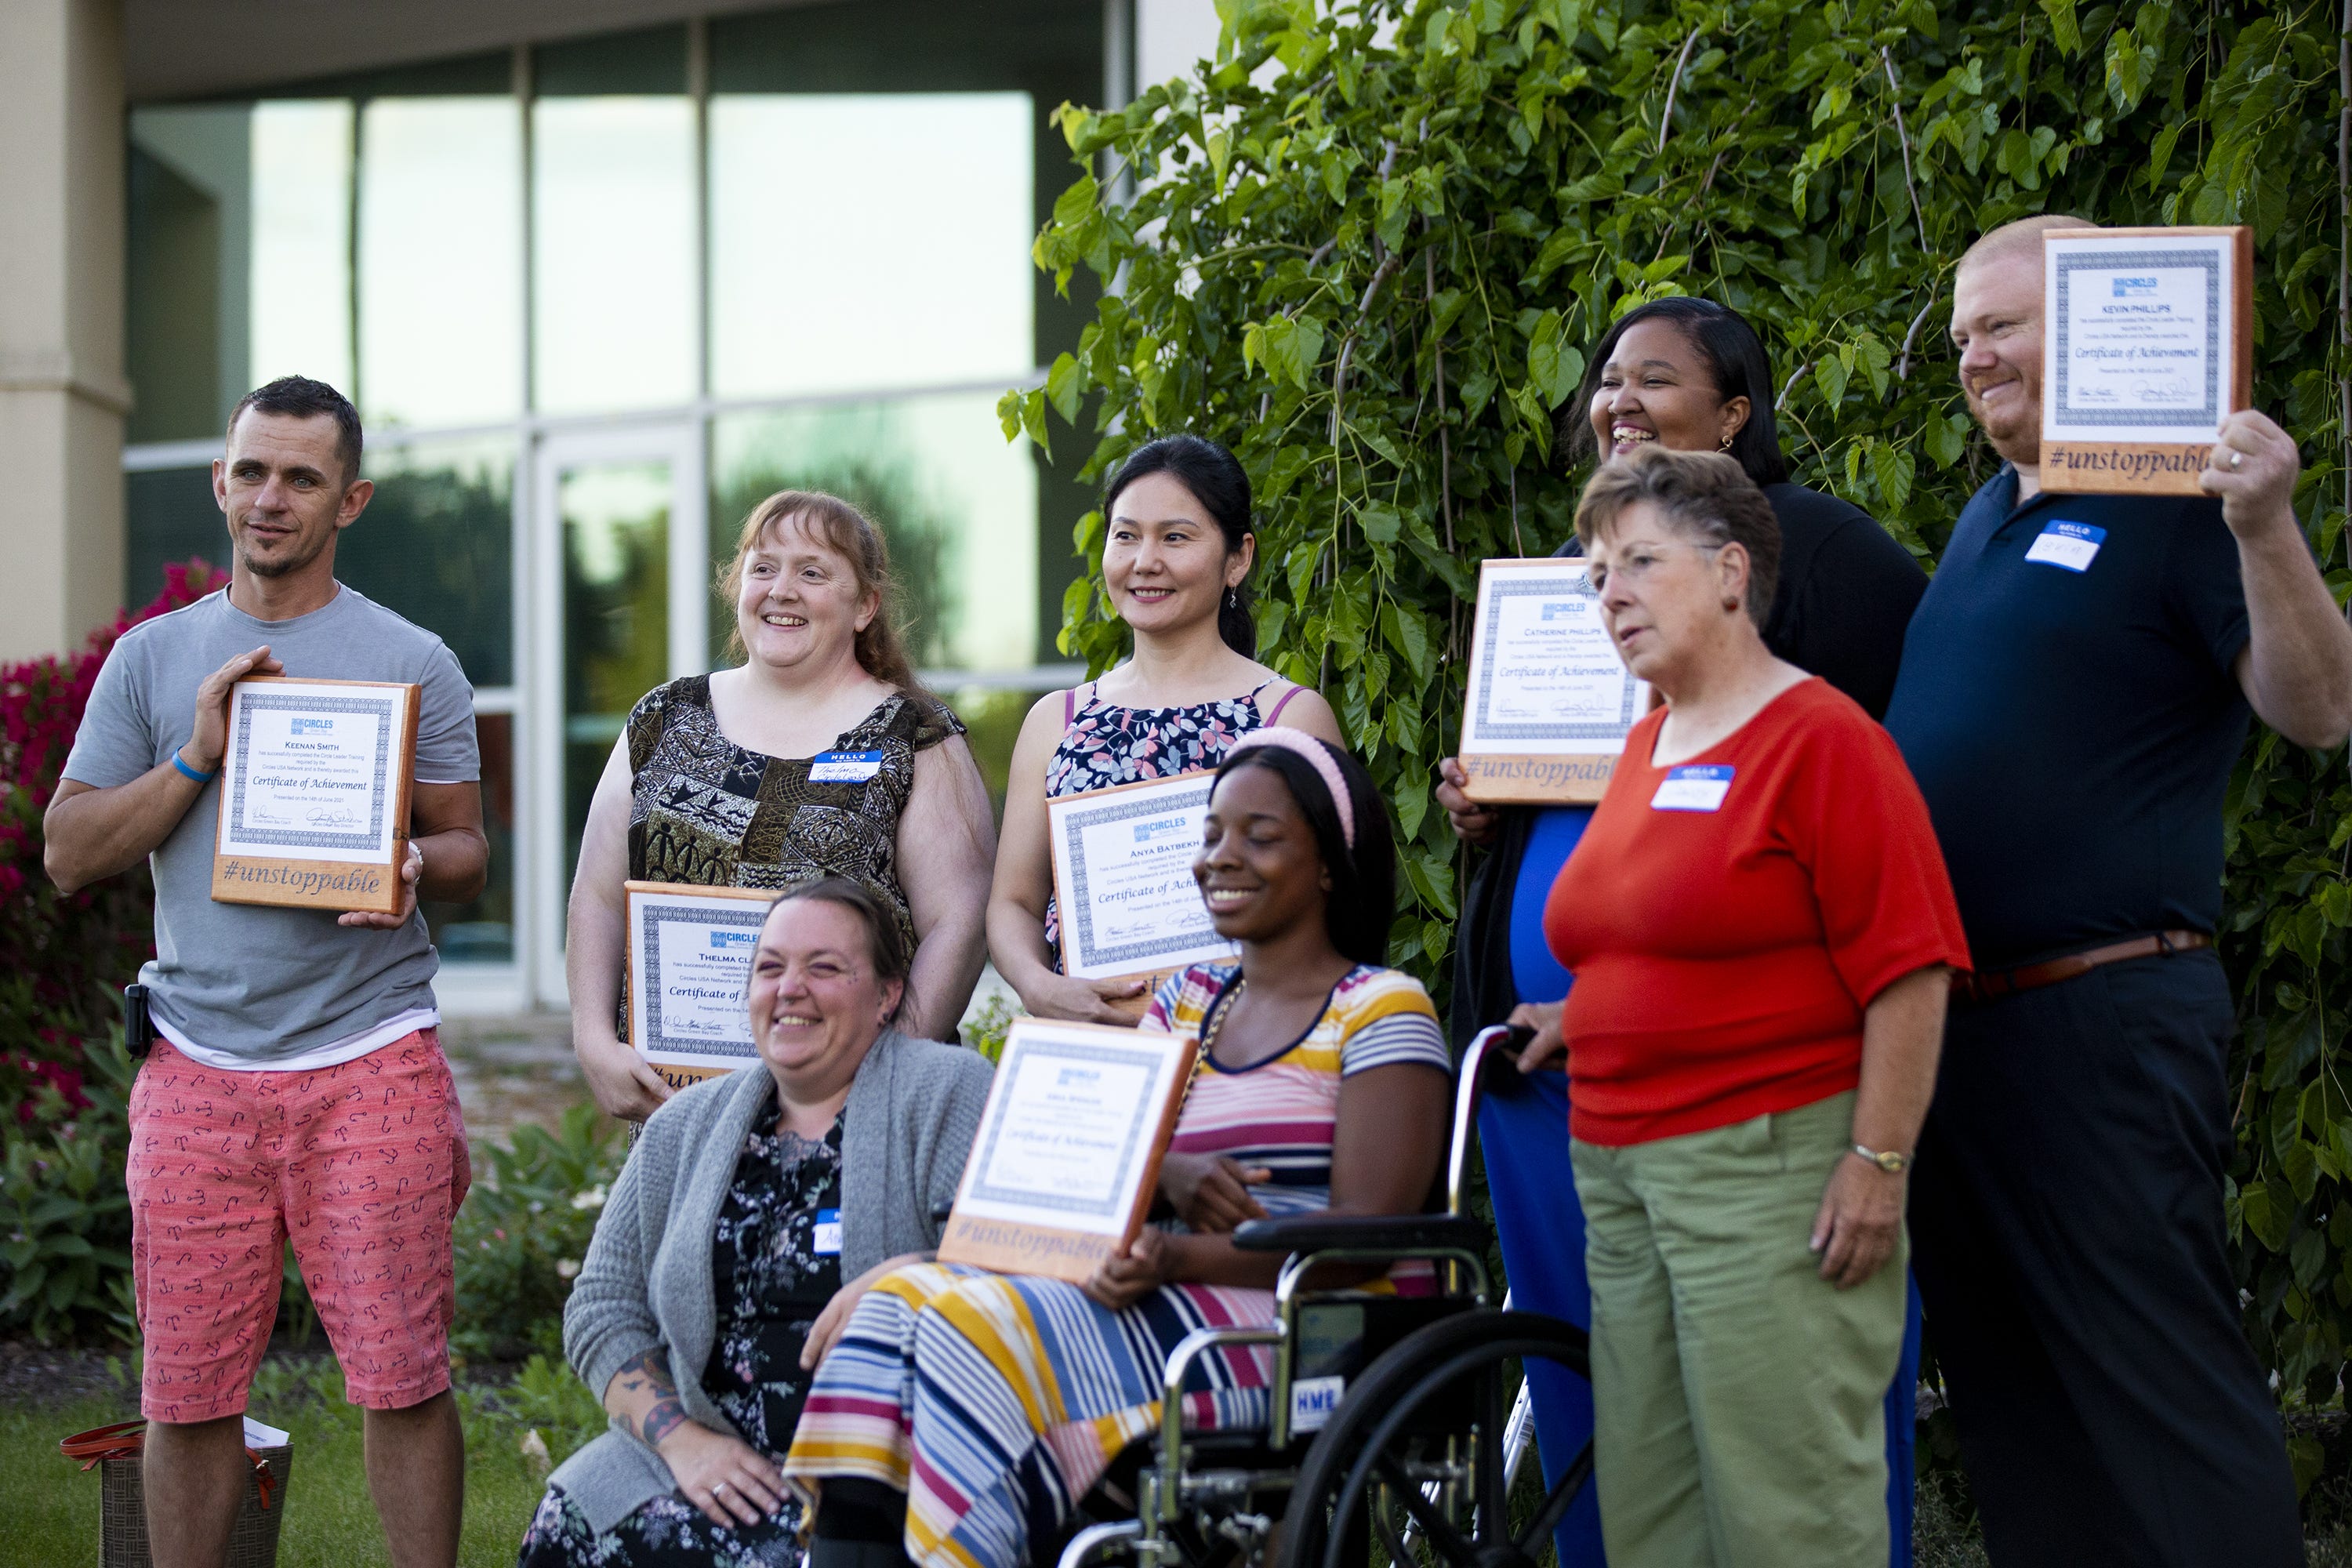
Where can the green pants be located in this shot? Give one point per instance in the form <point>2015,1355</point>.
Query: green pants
<point>1738,1396</point>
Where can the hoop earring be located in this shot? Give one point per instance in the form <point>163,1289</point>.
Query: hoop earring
<point>1726,442</point>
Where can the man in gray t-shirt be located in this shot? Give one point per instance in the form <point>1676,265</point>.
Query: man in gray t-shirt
<point>299,1093</point>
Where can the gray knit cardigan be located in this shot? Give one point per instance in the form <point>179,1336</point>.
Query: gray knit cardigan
<point>645,1284</point>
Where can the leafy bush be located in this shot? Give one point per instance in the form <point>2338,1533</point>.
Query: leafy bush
<point>1367,247</point>
<point>64,957</point>
<point>524,1230</point>
<point>64,1219</point>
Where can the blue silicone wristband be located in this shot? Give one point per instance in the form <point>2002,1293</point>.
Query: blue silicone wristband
<point>187,772</point>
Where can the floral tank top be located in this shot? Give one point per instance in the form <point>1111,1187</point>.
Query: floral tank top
<point>1104,744</point>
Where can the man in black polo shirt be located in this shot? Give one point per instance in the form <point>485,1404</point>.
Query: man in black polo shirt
<point>2073,692</point>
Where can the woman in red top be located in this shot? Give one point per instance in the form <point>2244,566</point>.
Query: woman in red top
<point>1762,934</point>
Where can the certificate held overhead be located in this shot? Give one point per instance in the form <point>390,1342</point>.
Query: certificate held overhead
<point>2147,345</point>
<point>1068,1153</point>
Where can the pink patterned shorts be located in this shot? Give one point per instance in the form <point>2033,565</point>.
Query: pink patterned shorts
<point>361,1165</point>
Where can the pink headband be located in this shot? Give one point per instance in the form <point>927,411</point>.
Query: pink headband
<point>1301,743</point>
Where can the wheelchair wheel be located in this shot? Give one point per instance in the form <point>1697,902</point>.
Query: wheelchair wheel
<point>1410,1469</point>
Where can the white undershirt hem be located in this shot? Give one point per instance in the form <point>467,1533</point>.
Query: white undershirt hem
<point>334,1053</point>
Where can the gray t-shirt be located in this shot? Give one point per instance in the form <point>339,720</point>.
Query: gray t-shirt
<point>258,983</point>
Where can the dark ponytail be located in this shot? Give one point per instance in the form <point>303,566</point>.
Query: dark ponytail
<point>1217,481</point>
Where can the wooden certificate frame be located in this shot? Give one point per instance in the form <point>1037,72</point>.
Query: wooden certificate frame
<point>667,1044</point>
<point>1067,1157</point>
<point>1169,812</point>
<point>2132,395</point>
<point>1566,754</point>
<point>341,850</point>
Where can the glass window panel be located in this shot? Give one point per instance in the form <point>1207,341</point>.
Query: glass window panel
<point>613,253</point>
<point>300,290</point>
<point>648,60</point>
<point>958,504</point>
<point>190,228</point>
<point>436,544</point>
<point>865,241</point>
<point>170,518</point>
<point>440,260</point>
<point>616,519</point>
<point>482,931</point>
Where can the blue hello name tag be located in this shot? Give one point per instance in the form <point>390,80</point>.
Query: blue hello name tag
<point>1693,789</point>
<point>2073,545</point>
<point>825,1235</point>
<point>844,767</point>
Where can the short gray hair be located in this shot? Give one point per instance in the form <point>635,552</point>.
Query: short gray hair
<point>1706,497</point>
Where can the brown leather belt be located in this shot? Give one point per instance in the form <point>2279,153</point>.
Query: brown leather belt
<point>1976,990</point>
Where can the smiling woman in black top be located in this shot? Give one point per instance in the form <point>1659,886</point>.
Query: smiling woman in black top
<point>1690,375</point>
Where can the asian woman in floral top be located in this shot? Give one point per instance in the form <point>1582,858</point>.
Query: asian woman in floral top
<point>1177,553</point>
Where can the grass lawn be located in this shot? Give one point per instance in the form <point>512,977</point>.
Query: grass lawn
<point>48,1509</point>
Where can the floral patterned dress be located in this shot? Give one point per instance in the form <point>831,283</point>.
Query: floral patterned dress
<point>770,1281</point>
<point>1104,744</point>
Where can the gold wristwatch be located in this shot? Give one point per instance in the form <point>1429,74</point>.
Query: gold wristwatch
<point>1888,1161</point>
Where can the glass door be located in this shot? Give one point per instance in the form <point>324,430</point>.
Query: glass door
<point>621,560</point>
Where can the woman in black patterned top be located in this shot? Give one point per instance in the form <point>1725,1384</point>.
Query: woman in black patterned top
<point>819,753</point>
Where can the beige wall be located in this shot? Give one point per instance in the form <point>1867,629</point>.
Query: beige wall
<point>62,393</point>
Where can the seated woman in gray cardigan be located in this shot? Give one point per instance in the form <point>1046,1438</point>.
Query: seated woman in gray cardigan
<point>716,1278</point>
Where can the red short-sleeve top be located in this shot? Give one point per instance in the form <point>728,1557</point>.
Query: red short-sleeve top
<point>1727,918</point>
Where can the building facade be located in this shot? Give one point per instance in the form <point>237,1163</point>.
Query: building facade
<point>599,276</point>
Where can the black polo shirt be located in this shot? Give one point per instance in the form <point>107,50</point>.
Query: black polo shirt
<point>2067,705</point>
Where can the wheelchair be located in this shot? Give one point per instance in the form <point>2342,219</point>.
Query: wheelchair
<point>1397,1425</point>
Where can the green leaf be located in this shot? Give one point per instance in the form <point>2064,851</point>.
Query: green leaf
<point>1409,635</point>
<point>2064,29</point>
<point>1064,382</point>
<point>1076,206</point>
<point>1894,468</point>
<point>1946,439</point>
<point>2126,69</point>
<point>1830,372</point>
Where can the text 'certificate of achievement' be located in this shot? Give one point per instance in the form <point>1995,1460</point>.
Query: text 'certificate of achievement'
<point>1550,703</point>
<point>689,976</point>
<point>2148,338</point>
<point>1123,879</point>
<point>314,793</point>
<point>1069,1146</point>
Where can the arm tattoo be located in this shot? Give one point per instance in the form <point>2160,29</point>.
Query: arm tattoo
<point>650,1373</point>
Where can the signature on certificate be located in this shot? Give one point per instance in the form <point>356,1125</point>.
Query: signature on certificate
<point>334,817</point>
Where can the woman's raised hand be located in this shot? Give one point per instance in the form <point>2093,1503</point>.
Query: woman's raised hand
<point>1082,1001</point>
<point>1543,1018</point>
<point>1473,823</point>
<point>622,1082</point>
<point>1132,1273</point>
<point>729,1481</point>
<point>1210,1193</point>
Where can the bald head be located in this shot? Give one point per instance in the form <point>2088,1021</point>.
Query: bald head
<point>2022,238</point>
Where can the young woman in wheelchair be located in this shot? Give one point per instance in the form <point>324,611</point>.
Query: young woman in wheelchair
<point>961,1415</point>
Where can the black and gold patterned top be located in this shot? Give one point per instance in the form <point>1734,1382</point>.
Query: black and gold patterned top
<point>704,810</point>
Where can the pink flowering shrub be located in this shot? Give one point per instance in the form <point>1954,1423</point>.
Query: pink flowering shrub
<point>64,957</point>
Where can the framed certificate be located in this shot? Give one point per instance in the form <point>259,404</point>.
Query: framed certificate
<point>1550,701</point>
<point>1123,879</point>
<point>2147,346</point>
<point>688,980</point>
<point>1070,1147</point>
<point>314,793</point>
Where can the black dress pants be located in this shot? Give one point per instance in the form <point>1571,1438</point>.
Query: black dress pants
<point>2067,1226</point>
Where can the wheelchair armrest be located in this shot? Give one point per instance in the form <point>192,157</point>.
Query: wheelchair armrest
<point>1405,1234</point>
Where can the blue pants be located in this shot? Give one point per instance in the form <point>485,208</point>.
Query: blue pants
<point>1524,1137</point>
